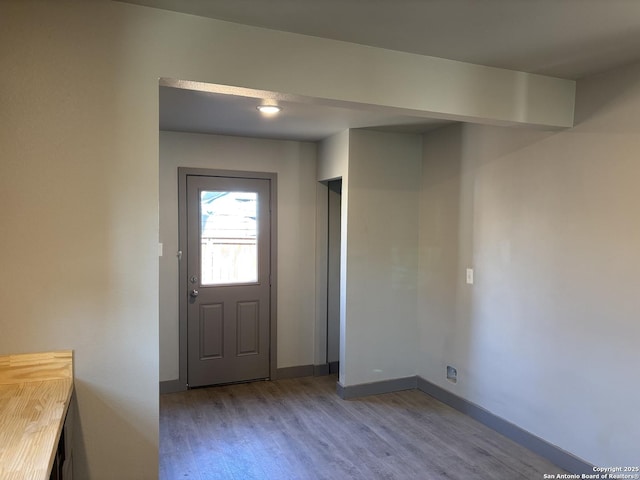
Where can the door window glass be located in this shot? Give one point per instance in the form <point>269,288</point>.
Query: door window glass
<point>228,237</point>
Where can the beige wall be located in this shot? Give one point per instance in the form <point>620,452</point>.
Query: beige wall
<point>79,178</point>
<point>295,165</point>
<point>547,336</point>
<point>79,198</point>
<point>333,163</point>
<point>333,157</point>
<point>78,202</point>
<point>378,318</point>
<point>379,246</point>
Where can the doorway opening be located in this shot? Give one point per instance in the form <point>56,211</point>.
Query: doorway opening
<point>334,232</point>
<point>227,220</point>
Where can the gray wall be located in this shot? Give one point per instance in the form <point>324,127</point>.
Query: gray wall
<point>295,164</point>
<point>547,336</point>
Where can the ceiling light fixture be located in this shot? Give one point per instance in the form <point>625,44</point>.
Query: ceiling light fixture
<point>269,109</point>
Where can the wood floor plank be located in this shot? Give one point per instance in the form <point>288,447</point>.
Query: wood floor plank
<point>299,429</point>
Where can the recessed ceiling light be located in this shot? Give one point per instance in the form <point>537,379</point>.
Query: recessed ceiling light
<point>269,109</point>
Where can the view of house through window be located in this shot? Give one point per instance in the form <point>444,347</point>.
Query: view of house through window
<point>228,237</point>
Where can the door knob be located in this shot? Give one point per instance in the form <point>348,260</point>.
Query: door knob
<point>194,293</point>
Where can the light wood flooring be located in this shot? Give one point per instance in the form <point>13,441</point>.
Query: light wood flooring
<point>300,429</point>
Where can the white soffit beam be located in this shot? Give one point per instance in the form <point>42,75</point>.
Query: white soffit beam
<point>317,69</point>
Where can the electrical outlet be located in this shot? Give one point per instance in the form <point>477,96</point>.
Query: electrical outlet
<point>452,374</point>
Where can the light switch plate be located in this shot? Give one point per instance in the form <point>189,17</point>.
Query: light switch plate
<point>470,276</point>
<point>159,249</point>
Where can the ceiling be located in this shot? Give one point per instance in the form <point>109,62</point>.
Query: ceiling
<point>563,38</point>
<point>205,111</point>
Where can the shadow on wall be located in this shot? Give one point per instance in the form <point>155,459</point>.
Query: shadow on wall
<point>114,448</point>
<point>596,106</point>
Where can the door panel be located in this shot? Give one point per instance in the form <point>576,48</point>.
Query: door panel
<point>248,332</point>
<point>228,279</point>
<point>211,331</point>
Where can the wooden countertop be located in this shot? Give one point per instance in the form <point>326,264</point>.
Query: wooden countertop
<point>35,391</point>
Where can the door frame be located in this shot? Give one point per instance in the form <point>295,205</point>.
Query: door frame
<point>183,172</point>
